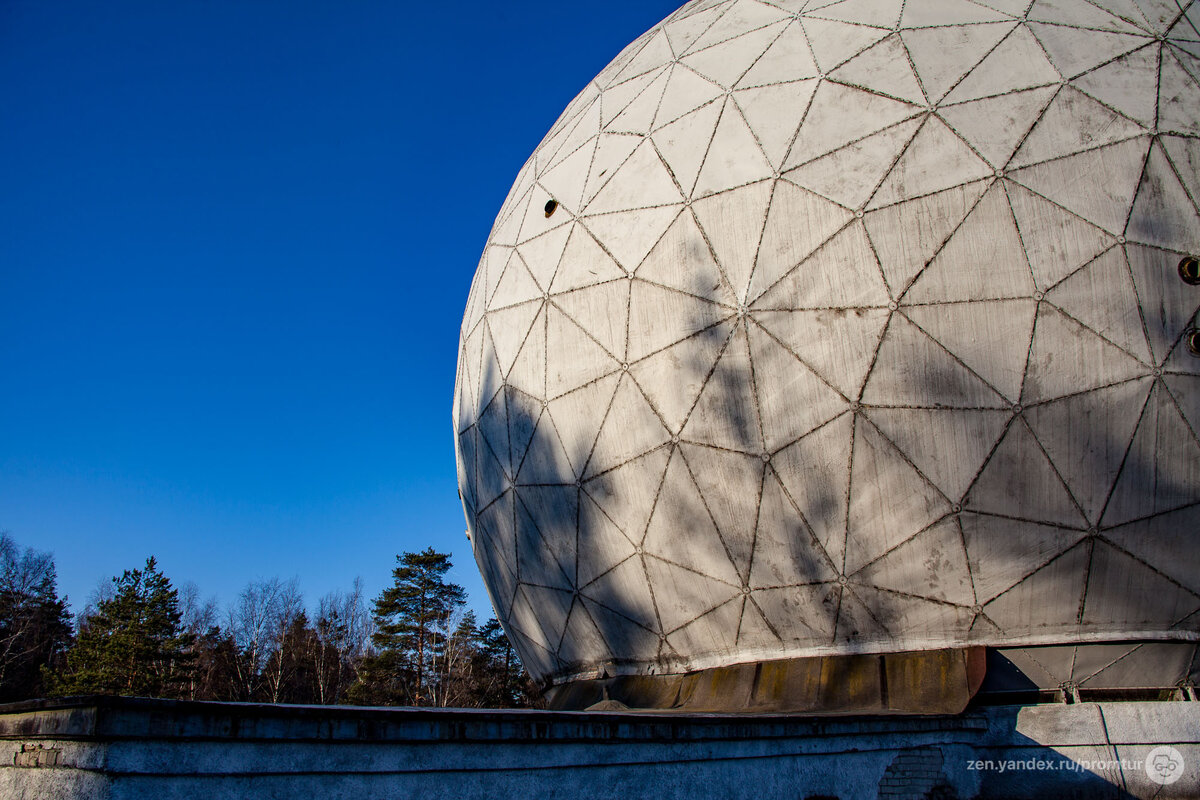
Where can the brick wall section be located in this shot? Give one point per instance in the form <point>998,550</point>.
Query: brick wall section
<point>916,775</point>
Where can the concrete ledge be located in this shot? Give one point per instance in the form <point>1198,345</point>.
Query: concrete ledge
<point>127,748</point>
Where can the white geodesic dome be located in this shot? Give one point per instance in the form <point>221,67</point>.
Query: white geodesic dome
<point>816,328</point>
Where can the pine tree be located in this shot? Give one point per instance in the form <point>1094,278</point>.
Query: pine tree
<point>411,619</point>
<point>133,644</point>
<point>35,628</point>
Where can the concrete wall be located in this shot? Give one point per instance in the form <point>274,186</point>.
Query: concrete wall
<point>127,749</point>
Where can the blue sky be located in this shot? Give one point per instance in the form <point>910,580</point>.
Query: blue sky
<point>236,240</point>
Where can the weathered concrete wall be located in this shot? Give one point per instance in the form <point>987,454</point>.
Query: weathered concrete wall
<point>110,749</point>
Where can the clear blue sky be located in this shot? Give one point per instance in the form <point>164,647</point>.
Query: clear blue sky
<point>236,240</point>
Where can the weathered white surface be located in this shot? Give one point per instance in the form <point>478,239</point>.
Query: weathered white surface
<point>857,327</point>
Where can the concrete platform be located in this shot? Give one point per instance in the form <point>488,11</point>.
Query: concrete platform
<point>127,748</point>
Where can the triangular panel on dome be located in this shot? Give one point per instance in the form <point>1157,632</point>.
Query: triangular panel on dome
<point>889,500</point>
<point>516,285</point>
<point>947,445</point>
<point>1101,296</point>
<point>1002,551</point>
<point>849,175</point>
<point>712,633</point>
<point>994,126</point>
<point>635,638</point>
<point>672,378</point>
<point>857,625</point>
<point>878,13</point>
<point>1066,358</point>
<point>583,263</point>
<point>840,115</point>
<point>725,414</point>
<point>1018,62</point>
<point>733,223</point>
<point>542,255</point>
<point>1129,84</point>
<point>587,360</point>
<point>536,223</point>
<point>1077,50</point>
<point>546,521</point>
<point>553,607</point>
<point>726,62</point>
<point>653,54</point>
<point>1161,471</point>
<point>582,643</point>
<point>1163,215</point>
<point>1185,157</point>
<point>743,16</point>
<point>1166,310</point>
<point>545,460</point>
<point>683,31</point>
<point>730,485</point>
<point>630,429</point>
<point>601,311</point>
<point>917,617</point>
<point>1086,437</point>
<point>660,317</point>
<point>787,59</point>
<point>754,631</point>
<point>734,157</point>
<point>785,550</point>
<point>626,494</point>
<point>629,235</point>
<point>842,273</point>
<point>1047,601</point>
<point>492,482</point>
<point>1161,13</point>
<point>530,642</point>
<point>523,414</point>
<point>1167,658</point>
<point>565,181</point>
<point>774,113</point>
<point>577,135</point>
<point>686,93</point>
<point>1098,185</point>
<point>577,416</point>
<point>983,260</point>
<point>792,400</point>
<point>1073,123</point>
<point>1125,593</point>
<point>508,328</point>
<point>907,235</point>
<point>640,182</point>
<point>612,149</point>
<point>884,69</point>
<point>912,369</point>
<point>797,223</point>
<point>1185,389</point>
<point>499,576</point>
<point>681,260</point>
<point>932,564</point>
<point>815,473</point>
<point>624,590</point>
<point>948,12</point>
<point>638,115</point>
<point>1056,241</point>
<point>990,337</point>
<point>681,532</point>
<point>601,545</point>
<point>835,42</point>
<point>936,159</point>
<point>528,371</point>
<point>803,615</point>
<point>1019,481</point>
<point>942,56</point>
<point>1160,540</point>
<point>1079,14</point>
<point>836,344</point>
<point>684,143</point>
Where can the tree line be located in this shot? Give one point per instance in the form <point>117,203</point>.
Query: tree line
<point>415,644</point>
